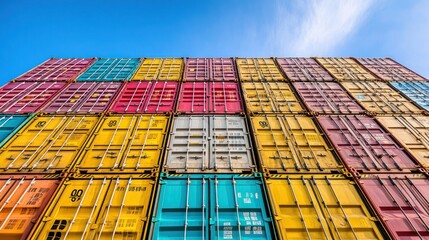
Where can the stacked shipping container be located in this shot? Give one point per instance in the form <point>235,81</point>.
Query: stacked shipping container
<point>245,148</point>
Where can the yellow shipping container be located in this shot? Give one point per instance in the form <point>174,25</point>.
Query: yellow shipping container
<point>47,144</point>
<point>99,207</point>
<point>345,69</point>
<point>270,97</point>
<point>288,144</point>
<point>125,143</point>
<point>258,69</point>
<point>160,69</point>
<point>320,207</point>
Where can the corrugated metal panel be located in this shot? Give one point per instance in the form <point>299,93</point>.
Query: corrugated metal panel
<point>10,124</point>
<point>83,98</point>
<point>270,97</point>
<point>27,97</point>
<point>412,132</point>
<point>57,69</point>
<point>146,97</point>
<point>378,97</point>
<point>320,207</point>
<point>206,69</point>
<point>389,70</point>
<point>327,98</point>
<point>258,69</point>
<point>23,199</point>
<point>345,69</point>
<point>99,207</point>
<point>416,91</point>
<point>46,144</point>
<point>303,69</point>
<point>160,69</point>
<point>212,207</point>
<point>364,146</point>
<point>209,97</point>
<point>292,144</point>
<point>401,202</point>
<point>209,144</point>
<point>124,143</point>
<point>110,69</point>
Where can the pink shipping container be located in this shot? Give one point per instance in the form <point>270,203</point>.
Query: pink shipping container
<point>146,97</point>
<point>364,146</point>
<point>57,69</point>
<point>27,97</point>
<point>210,69</point>
<point>401,202</point>
<point>327,98</point>
<point>389,70</point>
<point>209,97</point>
<point>83,98</point>
<point>303,69</point>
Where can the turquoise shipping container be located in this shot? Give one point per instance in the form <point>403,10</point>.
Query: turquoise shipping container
<point>110,69</point>
<point>416,91</point>
<point>10,124</point>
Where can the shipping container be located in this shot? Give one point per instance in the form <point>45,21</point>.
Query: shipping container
<point>365,147</point>
<point>258,69</point>
<point>378,98</point>
<point>320,207</point>
<point>412,132</point>
<point>10,124</point>
<point>110,69</point>
<point>401,202</point>
<point>146,97</point>
<point>211,206</point>
<point>327,98</point>
<point>99,207</point>
<point>83,98</point>
<point>23,199</point>
<point>303,69</point>
<point>46,144</point>
<point>57,70</point>
<point>345,69</point>
<point>291,144</point>
<point>270,97</point>
<point>124,143</point>
<point>210,69</point>
<point>210,97</point>
<point>27,97</point>
<point>389,70</point>
<point>160,69</point>
<point>416,91</point>
<point>215,143</point>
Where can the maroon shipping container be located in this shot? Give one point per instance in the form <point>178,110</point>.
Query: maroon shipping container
<point>303,69</point>
<point>209,97</point>
<point>401,202</point>
<point>364,146</point>
<point>389,70</point>
<point>27,97</point>
<point>146,97</point>
<point>210,69</point>
<point>57,69</point>
<point>83,97</point>
<point>327,98</point>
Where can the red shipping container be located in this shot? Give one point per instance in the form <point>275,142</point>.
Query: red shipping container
<point>27,97</point>
<point>389,70</point>
<point>83,97</point>
<point>401,202</point>
<point>364,146</point>
<point>57,69</point>
<point>303,69</point>
<point>146,97</point>
<point>210,69</point>
<point>209,97</point>
<point>327,98</point>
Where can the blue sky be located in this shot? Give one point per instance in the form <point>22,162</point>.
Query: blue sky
<point>32,31</point>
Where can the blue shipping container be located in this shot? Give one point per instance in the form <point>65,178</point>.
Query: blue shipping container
<point>211,206</point>
<point>110,69</point>
<point>9,125</point>
<point>416,91</point>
